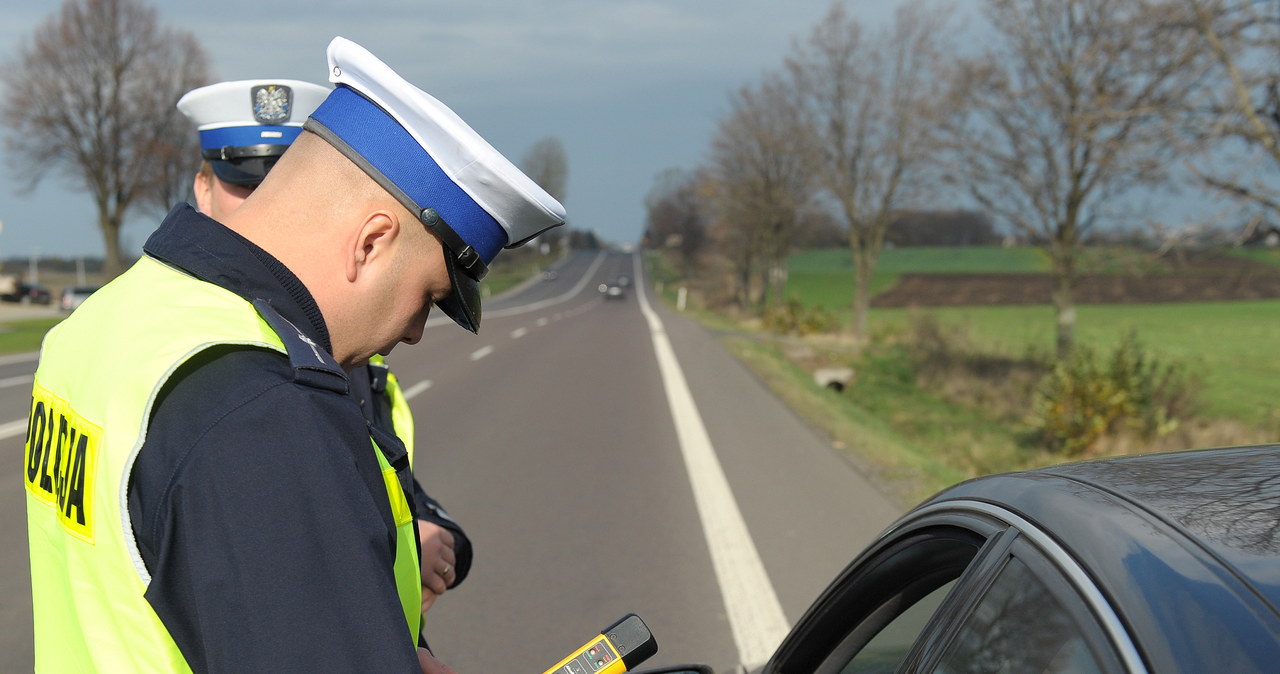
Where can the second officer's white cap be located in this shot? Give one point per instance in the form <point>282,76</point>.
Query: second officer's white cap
<point>245,125</point>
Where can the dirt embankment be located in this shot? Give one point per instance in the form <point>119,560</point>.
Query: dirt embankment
<point>1200,278</point>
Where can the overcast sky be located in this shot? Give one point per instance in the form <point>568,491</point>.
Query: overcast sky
<point>630,87</point>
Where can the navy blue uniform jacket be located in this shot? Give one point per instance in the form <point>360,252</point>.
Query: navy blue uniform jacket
<point>257,503</point>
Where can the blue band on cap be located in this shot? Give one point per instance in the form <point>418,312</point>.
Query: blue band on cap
<point>246,136</point>
<point>386,145</point>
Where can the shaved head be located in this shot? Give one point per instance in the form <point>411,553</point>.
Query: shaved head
<point>359,251</point>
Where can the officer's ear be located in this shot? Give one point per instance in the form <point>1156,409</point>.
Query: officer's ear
<point>373,243</point>
<point>202,189</point>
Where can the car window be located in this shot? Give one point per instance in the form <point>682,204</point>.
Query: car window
<point>871,617</point>
<point>889,647</point>
<point>1019,626</point>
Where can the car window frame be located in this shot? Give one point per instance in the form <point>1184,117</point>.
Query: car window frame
<point>999,532</point>
<point>1053,566</point>
<point>937,643</point>
<point>808,648</point>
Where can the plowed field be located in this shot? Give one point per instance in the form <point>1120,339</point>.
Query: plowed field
<point>1202,277</point>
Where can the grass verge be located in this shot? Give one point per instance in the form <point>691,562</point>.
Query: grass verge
<point>24,335</point>
<point>908,470</point>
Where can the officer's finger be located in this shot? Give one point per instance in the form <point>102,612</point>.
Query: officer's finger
<point>430,665</point>
<point>435,582</point>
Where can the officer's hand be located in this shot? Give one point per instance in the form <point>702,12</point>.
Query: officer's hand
<point>430,665</point>
<point>438,572</point>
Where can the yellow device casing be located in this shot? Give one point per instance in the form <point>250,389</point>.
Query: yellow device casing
<point>598,656</point>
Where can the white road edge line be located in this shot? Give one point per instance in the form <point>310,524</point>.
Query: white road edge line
<point>755,615</point>
<point>17,427</point>
<point>481,352</point>
<point>417,388</point>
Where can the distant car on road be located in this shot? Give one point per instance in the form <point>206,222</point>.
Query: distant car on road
<point>73,296</point>
<point>612,291</point>
<point>624,281</point>
<point>29,293</point>
<point>1151,563</point>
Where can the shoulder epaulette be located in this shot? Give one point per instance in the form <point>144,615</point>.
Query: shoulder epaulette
<point>312,365</point>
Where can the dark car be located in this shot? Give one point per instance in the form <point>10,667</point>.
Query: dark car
<point>1153,563</point>
<point>29,293</point>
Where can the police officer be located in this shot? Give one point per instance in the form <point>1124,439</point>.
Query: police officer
<point>244,127</point>
<point>203,491</point>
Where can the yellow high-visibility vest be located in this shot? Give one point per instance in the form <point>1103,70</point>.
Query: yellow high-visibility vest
<point>99,373</point>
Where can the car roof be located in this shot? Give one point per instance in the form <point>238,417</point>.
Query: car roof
<point>1185,544</point>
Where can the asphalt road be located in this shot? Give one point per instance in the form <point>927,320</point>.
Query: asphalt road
<point>552,437</point>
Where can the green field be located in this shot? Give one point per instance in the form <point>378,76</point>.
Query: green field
<point>825,277</point>
<point>1225,342</point>
<point>1267,255</point>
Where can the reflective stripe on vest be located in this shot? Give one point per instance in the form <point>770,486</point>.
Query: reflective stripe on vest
<point>96,383</point>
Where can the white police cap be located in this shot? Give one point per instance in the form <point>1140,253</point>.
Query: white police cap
<point>245,125</point>
<point>457,184</point>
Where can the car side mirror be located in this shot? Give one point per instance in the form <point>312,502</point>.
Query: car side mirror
<point>677,669</point>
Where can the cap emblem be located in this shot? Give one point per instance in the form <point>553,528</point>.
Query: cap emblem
<point>271,103</point>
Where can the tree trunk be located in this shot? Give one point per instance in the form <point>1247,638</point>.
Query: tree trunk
<point>862,268</point>
<point>861,306</point>
<point>109,225</point>
<point>1065,307</point>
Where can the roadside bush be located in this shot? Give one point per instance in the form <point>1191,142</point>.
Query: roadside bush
<point>1088,398</point>
<point>794,318</point>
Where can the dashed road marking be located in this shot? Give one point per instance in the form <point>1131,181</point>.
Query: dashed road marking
<point>417,388</point>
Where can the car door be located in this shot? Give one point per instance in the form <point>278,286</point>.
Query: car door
<point>956,590</point>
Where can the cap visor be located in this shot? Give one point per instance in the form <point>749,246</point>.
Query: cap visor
<point>463,304</point>
<point>248,171</point>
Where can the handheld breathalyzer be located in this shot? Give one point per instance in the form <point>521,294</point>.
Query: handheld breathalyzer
<point>619,647</point>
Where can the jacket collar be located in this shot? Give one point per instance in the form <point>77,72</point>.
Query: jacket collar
<point>205,249</point>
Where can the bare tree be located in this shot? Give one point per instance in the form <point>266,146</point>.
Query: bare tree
<point>1242,110</point>
<point>1068,114</point>
<point>177,152</point>
<point>93,97</point>
<point>548,165</point>
<point>677,218</point>
<point>873,99</point>
<point>761,185</point>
